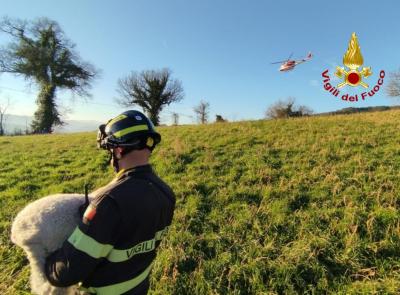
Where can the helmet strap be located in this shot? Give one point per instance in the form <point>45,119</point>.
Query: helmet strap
<point>114,160</point>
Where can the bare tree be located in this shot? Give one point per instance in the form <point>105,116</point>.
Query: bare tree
<point>27,129</point>
<point>202,111</point>
<point>393,86</point>
<point>175,118</point>
<point>151,90</point>
<point>3,110</point>
<point>287,108</point>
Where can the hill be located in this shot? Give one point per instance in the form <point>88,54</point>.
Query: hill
<point>306,205</point>
<point>352,110</point>
<point>18,123</point>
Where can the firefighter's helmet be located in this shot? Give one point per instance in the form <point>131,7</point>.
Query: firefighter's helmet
<point>131,129</point>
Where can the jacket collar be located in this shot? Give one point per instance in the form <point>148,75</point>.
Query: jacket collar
<point>125,172</point>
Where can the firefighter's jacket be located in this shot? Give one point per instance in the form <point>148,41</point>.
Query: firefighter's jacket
<point>111,251</point>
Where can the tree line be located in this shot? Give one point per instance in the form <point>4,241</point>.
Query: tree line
<point>40,52</point>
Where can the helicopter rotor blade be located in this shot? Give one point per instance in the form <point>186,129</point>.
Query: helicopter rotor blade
<point>290,56</point>
<point>278,62</point>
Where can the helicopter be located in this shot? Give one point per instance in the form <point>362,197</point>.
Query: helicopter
<point>288,65</point>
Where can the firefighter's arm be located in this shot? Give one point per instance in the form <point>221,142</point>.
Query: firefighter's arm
<point>90,242</point>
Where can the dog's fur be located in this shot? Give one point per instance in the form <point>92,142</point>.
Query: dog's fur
<point>40,229</point>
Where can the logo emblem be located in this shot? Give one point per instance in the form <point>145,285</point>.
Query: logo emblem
<point>138,117</point>
<point>352,75</point>
<point>353,59</point>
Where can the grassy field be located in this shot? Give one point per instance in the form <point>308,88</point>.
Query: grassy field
<point>298,206</point>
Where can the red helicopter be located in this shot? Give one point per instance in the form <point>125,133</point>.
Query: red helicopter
<point>288,65</point>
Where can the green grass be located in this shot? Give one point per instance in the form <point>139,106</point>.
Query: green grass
<point>298,206</point>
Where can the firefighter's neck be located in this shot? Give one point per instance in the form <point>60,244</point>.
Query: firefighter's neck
<point>134,158</point>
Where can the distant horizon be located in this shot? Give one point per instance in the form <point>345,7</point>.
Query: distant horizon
<point>315,113</point>
<point>72,124</point>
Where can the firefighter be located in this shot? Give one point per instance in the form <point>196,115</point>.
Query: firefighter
<point>112,249</point>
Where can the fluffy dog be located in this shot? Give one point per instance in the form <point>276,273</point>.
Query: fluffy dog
<point>40,229</point>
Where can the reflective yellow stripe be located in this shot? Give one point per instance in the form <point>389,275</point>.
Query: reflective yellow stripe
<point>130,129</point>
<point>115,120</point>
<point>88,245</point>
<point>116,255</point>
<point>123,287</point>
<point>120,173</point>
<point>161,233</point>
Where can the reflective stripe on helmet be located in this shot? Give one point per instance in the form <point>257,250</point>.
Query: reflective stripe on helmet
<point>117,255</point>
<point>88,245</point>
<point>115,120</point>
<point>130,130</point>
<point>120,288</point>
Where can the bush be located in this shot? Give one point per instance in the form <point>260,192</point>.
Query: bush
<point>287,108</point>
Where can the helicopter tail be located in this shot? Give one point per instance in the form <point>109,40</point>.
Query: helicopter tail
<point>309,55</point>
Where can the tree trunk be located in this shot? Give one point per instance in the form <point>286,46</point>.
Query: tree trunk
<point>46,116</point>
<point>154,117</point>
<point>1,124</point>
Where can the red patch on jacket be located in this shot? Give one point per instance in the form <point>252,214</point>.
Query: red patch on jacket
<point>89,213</point>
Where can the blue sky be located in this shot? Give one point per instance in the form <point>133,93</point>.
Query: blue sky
<point>220,50</point>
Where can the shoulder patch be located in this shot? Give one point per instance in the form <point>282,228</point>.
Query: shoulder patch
<point>89,214</point>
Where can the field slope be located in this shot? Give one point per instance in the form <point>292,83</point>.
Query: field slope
<point>264,207</point>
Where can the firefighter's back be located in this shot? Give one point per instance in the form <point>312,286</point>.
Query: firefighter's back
<point>146,206</point>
